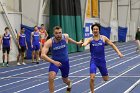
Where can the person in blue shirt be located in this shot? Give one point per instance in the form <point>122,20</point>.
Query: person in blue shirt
<point>97,43</point>
<point>59,60</point>
<point>35,44</point>
<point>22,46</point>
<point>6,45</point>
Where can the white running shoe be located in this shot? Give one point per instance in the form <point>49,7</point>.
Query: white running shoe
<point>24,63</point>
<point>18,64</point>
<point>3,64</point>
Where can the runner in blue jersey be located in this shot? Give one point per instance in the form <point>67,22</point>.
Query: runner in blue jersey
<point>97,43</point>
<point>59,60</point>
<point>22,46</point>
<point>6,45</point>
<point>35,44</point>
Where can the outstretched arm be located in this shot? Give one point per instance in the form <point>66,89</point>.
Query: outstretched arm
<point>45,50</point>
<point>72,41</point>
<point>113,46</point>
<point>86,42</point>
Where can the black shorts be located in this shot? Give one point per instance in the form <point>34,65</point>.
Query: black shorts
<point>22,49</point>
<point>4,49</point>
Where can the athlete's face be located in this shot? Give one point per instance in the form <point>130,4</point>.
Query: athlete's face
<point>22,30</point>
<point>7,30</point>
<point>95,30</point>
<point>36,28</point>
<point>42,27</point>
<point>58,34</point>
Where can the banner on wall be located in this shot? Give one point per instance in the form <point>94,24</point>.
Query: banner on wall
<point>95,8</point>
<point>122,32</point>
<point>87,30</point>
<point>88,9</point>
<point>105,31</point>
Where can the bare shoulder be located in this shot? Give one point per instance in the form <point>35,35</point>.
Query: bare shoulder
<point>32,33</point>
<point>48,43</point>
<point>39,32</point>
<point>66,35</point>
<point>18,33</point>
<point>104,37</point>
<point>10,35</point>
<point>90,39</point>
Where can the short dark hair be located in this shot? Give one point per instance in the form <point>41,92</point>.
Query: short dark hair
<point>42,24</point>
<point>57,28</point>
<point>22,28</point>
<point>96,24</point>
<point>6,28</point>
<point>35,26</point>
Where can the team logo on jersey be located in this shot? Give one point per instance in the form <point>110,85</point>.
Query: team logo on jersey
<point>22,35</point>
<point>97,44</point>
<point>6,37</point>
<point>59,47</point>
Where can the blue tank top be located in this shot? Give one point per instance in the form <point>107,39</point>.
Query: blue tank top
<point>36,38</point>
<point>59,50</point>
<point>6,40</point>
<point>97,48</point>
<point>22,39</point>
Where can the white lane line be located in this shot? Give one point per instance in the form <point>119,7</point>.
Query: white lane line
<point>79,71</point>
<point>112,66</point>
<point>44,68</point>
<point>98,72</point>
<point>42,77</point>
<point>27,78</point>
<point>22,73</point>
<point>46,63</point>
<point>132,87</point>
<point>117,77</point>
<point>20,68</point>
<point>39,75</point>
<point>101,76</point>
<point>120,47</point>
<point>41,83</point>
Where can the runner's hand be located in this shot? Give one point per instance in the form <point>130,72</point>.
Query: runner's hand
<point>58,64</point>
<point>120,55</point>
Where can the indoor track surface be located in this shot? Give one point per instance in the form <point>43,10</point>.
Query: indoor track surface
<point>33,78</point>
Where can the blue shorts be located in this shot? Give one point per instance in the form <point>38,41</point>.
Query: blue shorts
<point>100,64</point>
<point>64,69</point>
<point>36,47</point>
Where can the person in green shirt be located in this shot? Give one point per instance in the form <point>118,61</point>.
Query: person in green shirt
<point>137,38</point>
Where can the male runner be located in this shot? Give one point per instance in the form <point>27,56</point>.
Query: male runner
<point>59,60</point>
<point>97,43</point>
<point>22,46</point>
<point>6,45</point>
<point>35,44</point>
